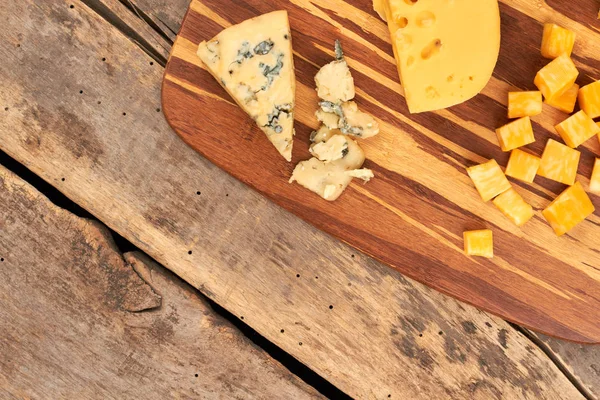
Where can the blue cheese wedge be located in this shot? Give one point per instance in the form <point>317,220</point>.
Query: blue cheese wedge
<point>253,61</point>
<point>329,179</point>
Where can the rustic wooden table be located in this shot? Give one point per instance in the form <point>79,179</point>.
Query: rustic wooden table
<point>80,98</point>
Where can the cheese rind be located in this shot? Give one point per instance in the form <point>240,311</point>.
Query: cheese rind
<point>479,243</point>
<point>569,209</point>
<point>512,205</point>
<point>577,129</point>
<point>489,180</point>
<point>515,134</point>
<point>253,61</point>
<point>559,163</point>
<point>524,104</point>
<point>445,50</point>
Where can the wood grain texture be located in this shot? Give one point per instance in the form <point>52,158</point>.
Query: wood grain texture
<point>413,214</point>
<point>79,332</point>
<point>382,336</point>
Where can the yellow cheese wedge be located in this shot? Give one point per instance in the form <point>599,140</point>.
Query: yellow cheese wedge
<point>479,243</point>
<point>446,50</point>
<point>569,209</point>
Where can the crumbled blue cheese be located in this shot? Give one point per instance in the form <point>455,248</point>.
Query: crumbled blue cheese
<point>329,179</point>
<point>334,148</point>
<point>253,61</point>
<point>348,119</point>
<point>334,81</point>
<point>365,174</point>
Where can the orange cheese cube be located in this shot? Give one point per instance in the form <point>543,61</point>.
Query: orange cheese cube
<point>479,243</point>
<point>556,41</point>
<point>577,129</point>
<point>569,209</point>
<point>557,77</point>
<point>589,99</point>
<point>524,104</point>
<point>489,179</point>
<point>522,165</point>
<point>515,134</point>
<point>566,102</point>
<point>559,163</point>
<point>595,179</point>
<point>514,207</point>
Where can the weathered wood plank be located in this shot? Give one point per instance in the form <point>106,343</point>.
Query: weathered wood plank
<point>75,330</point>
<point>383,334</point>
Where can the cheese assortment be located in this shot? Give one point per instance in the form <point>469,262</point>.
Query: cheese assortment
<point>337,158</point>
<point>445,50</point>
<point>253,62</point>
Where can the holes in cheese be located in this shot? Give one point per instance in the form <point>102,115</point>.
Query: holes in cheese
<point>566,102</point>
<point>569,209</point>
<point>522,166</point>
<point>435,39</point>
<point>577,129</point>
<point>589,99</point>
<point>479,243</point>
<point>489,179</point>
<point>595,179</point>
<point>557,41</point>
<point>557,77</point>
<point>515,134</point>
<point>559,163</point>
<point>512,205</point>
<point>524,104</point>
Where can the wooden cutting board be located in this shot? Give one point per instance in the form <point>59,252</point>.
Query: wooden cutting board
<point>413,213</point>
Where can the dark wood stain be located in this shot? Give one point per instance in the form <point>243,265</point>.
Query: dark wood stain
<point>402,221</point>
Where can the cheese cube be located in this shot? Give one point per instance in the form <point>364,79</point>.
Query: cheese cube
<point>557,77</point>
<point>479,243</point>
<point>556,41</point>
<point>515,134</point>
<point>514,207</point>
<point>595,179</point>
<point>522,165</point>
<point>559,163</point>
<point>569,209</point>
<point>566,102</point>
<point>489,179</point>
<point>577,129</point>
<point>589,99</point>
<point>524,104</point>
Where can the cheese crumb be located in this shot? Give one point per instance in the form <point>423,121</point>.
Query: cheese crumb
<point>365,174</point>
